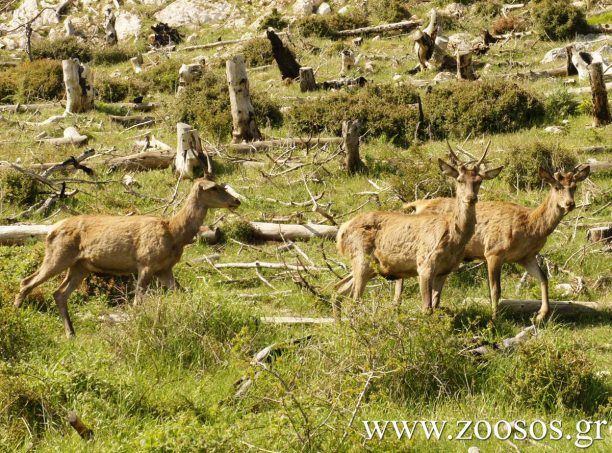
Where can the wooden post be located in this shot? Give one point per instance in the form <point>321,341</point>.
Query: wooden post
<point>465,69</point>
<point>188,73</point>
<point>243,113</point>
<point>307,80</point>
<point>78,80</point>
<point>189,156</point>
<point>285,59</point>
<point>109,25</point>
<point>601,110</point>
<point>350,135</point>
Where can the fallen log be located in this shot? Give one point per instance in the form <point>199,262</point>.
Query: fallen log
<point>71,137</point>
<point>585,90</point>
<point>300,142</point>
<point>559,308</point>
<point>266,265</point>
<point>228,42</point>
<point>344,82</point>
<point>600,234</point>
<point>18,234</point>
<point>73,163</point>
<point>602,28</point>
<point>138,106</point>
<point>149,160</point>
<point>290,232</point>
<point>295,320</point>
<point>29,107</point>
<point>132,120</point>
<point>599,165</point>
<point>506,344</point>
<point>406,25</point>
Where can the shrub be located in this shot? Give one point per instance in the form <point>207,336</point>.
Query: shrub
<point>274,20</point>
<point>456,109</point>
<point>240,230</point>
<point>114,54</point>
<point>327,26</point>
<point>549,376</point>
<point>61,49</point>
<point>257,52</point>
<point>7,87</point>
<point>19,188</point>
<point>560,104</point>
<point>488,8</point>
<point>205,105</point>
<point>389,10</point>
<point>381,109</point>
<point>559,19</point>
<point>522,162</point>
<point>506,25</point>
<point>39,79</point>
<point>163,77</point>
<point>116,89</point>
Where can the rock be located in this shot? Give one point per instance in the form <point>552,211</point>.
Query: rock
<point>553,55</point>
<point>195,12</point>
<point>127,26</point>
<point>444,77</point>
<point>473,450</point>
<point>554,130</point>
<point>605,50</point>
<point>28,10</point>
<point>344,10</point>
<point>454,10</point>
<point>324,9</point>
<point>303,8</point>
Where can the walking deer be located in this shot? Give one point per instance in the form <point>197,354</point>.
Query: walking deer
<point>148,246</point>
<point>506,232</point>
<point>397,245</point>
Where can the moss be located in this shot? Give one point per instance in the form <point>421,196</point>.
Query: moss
<point>257,52</point>
<point>456,109</point>
<point>558,19</point>
<point>382,110</point>
<point>61,49</point>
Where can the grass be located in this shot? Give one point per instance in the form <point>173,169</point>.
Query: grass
<point>164,379</point>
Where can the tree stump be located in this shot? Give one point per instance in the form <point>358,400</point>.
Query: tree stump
<point>348,61</point>
<point>243,113</point>
<point>571,69</point>
<point>78,80</point>
<point>69,27</point>
<point>137,63</point>
<point>189,156</point>
<point>307,80</point>
<point>109,26</point>
<point>188,73</point>
<point>285,59</point>
<point>601,110</point>
<point>465,68</point>
<point>350,136</point>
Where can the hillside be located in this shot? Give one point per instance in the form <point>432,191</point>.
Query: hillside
<point>185,369</point>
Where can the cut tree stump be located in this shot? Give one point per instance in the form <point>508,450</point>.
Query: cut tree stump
<point>78,80</point>
<point>71,137</point>
<point>285,59</point>
<point>291,232</point>
<point>601,110</point>
<point>188,73</point>
<point>406,25</point>
<point>350,135</point>
<point>137,63</point>
<point>600,234</point>
<point>109,26</point>
<point>307,80</point>
<point>149,160</point>
<point>465,68</point>
<point>189,155</point>
<point>243,114</point>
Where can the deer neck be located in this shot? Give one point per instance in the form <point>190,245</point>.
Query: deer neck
<point>185,224</point>
<point>544,219</point>
<point>463,222</point>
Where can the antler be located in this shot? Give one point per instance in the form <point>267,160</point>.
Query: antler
<point>484,155</point>
<point>451,153</point>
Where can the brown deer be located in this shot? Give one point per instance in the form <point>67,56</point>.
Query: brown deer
<point>397,245</point>
<point>148,246</point>
<point>506,232</point>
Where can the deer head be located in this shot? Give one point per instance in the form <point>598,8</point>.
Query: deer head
<point>468,175</point>
<point>563,185</point>
<point>213,195</point>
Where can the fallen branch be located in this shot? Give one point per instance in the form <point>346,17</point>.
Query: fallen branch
<point>149,160</point>
<point>560,308</point>
<point>404,26</point>
<point>298,142</point>
<point>295,320</point>
<point>292,232</point>
<point>132,120</point>
<point>71,137</point>
<point>508,343</point>
<point>266,265</point>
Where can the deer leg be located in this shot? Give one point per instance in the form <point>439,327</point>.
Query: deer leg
<point>534,269</point>
<point>426,286</point>
<point>362,272</point>
<point>494,266</point>
<point>144,278</point>
<point>47,270</point>
<point>73,279</point>
<point>166,278</point>
<point>399,287</point>
<point>343,288</point>
<point>438,284</point>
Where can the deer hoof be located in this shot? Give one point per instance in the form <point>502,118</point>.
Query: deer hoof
<point>541,317</point>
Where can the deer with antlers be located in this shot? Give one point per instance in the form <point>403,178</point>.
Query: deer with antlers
<point>506,232</point>
<point>397,245</point>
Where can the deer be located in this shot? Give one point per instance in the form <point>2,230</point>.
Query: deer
<point>143,245</point>
<point>510,233</point>
<point>396,245</point>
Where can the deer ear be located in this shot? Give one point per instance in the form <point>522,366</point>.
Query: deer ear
<point>490,174</point>
<point>547,177</point>
<point>206,184</point>
<point>447,169</point>
<point>582,174</point>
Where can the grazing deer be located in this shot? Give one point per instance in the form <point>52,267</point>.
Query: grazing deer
<point>397,245</point>
<point>149,246</point>
<point>506,232</point>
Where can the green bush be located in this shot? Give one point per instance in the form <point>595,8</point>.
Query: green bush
<point>114,54</point>
<point>18,188</point>
<point>456,109</point>
<point>389,10</point>
<point>257,52</point>
<point>274,20</point>
<point>559,19</point>
<point>116,89</point>
<point>328,26</point>
<point>560,104</point>
<point>382,110</point>
<point>205,105</point>
<point>61,49</point>
<point>39,79</point>
<point>7,87</point>
<point>522,161</point>
<point>163,77</point>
